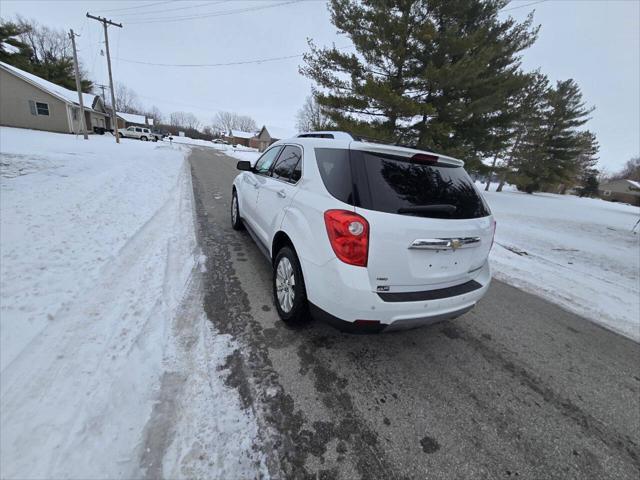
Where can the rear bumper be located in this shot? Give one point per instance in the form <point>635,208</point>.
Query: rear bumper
<point>342,297</point>
<point>376,327</point>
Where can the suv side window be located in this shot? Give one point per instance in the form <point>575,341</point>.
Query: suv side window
<point>263,165</point>
<point>335,170</point>
<point>288,162</point>
<point>138,129</point>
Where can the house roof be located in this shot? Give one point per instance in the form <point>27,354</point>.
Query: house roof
<point>241,134</point>
<point>132,118</point>
<point>621,186</point>
<point>64,94</point>
<point>278,133</point>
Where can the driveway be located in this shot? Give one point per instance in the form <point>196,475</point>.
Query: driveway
<point>517,388</point>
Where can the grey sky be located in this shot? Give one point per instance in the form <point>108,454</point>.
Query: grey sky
<point>595,42</point>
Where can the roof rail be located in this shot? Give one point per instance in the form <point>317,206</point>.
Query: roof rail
<point>331,134</point>
<point>343,135</point>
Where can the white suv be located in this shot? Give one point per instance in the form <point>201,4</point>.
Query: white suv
<point>366,236</point>
<point>140,133</point>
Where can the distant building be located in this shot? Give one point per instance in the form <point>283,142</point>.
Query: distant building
<point>625,191</point>
<point>238,137</point>
<point>268,135</point>
<point>28,101</point>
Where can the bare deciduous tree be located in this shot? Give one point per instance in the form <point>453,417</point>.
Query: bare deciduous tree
<point>630,171</point>
<point>225,121</point>
<point>155,113</point>
<point>46,43</point>
<point>184,120</point>
<point>126,99</point>
<point>311,117</point>
<point>50,54</point>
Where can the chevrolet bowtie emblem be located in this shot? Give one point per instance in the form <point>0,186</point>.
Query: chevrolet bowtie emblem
<point>456,244</point>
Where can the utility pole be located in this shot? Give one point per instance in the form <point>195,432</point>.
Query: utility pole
<point>83,124</point>
<point>114,120</point>
<point>101,87</point>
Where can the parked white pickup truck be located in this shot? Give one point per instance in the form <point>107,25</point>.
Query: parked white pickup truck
<point>140,133</point>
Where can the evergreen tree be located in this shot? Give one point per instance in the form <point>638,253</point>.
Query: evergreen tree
<point>12,50</point>
<point>368,93</point>
<point>470,73</point>
<point>41,51</point>
<point>437,74</point>
<point>528,104</point>
<point>555,151</point>
<point>589,184</point>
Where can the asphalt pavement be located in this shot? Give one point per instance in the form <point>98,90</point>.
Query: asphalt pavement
<point>516,388</point>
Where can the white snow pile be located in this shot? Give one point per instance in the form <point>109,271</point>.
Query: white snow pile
<point>196,142</point>
<point>580,253</point>
<point>108,366</point>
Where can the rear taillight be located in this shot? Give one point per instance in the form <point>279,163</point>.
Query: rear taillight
<point>493,235</point>
<point>349,236</point>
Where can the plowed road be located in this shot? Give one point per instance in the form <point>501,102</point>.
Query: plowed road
<point>517,388</point>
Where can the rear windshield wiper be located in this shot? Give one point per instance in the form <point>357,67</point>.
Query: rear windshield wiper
<point>418,209</point>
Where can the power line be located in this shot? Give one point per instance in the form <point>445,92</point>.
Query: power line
<point>245,62</point>
<point>137,6</point>
<point>241,62</point>
<point>522,6</point>
<point>206,4</point>
<point>213,14</point>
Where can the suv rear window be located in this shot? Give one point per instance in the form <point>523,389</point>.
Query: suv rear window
<point>393,184</point>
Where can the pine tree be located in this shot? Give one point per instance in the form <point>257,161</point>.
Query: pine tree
<point>367,93</point>
<point>437,74</point>
<point>556,152</point>
<point>528,105</point>
<point>589,184</point>
<point>41,51</point>
<point>12,50</point>
<point>470,73</point>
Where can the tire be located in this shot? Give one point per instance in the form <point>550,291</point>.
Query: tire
<point>290,300</point>
<point>155,139</point>
<point>143,138</point>
<point>236,219</point>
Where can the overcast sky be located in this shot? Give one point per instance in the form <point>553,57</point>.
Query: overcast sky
<point>595,42</point>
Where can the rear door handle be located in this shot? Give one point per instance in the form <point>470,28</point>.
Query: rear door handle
<point>282,193</point>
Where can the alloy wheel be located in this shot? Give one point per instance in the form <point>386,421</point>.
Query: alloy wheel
<point>285,284</point>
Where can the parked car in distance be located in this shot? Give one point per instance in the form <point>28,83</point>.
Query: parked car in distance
<point>219,140</point>
<point>157,135</point>
<point>367,236</point>
<point>141,133</point>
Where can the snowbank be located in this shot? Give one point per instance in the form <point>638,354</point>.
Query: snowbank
<point>101,320</point>
<point>196,142</point>
<point>577,252</point>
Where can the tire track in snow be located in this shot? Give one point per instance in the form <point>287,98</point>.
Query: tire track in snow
<point>70,392</point>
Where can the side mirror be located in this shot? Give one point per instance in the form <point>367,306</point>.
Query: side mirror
<point>244,165</point>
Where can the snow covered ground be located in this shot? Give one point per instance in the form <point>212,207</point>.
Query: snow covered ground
<point>109,367</point>
<point>206,143</point>
<point>579,253</point>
